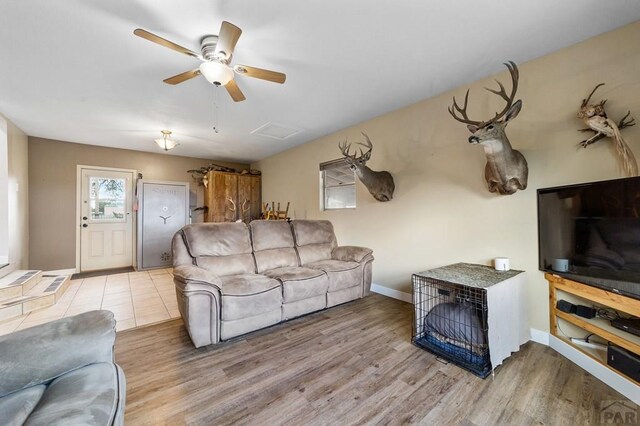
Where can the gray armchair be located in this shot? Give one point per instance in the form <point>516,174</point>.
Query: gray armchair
<point>62,373</point>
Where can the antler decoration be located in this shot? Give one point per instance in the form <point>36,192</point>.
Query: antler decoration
<point>595,117</point>
<point>463,118</point>
<point>380,184</point>
<point>506,170</point>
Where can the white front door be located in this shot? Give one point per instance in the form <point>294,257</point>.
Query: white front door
<point>106,225</point>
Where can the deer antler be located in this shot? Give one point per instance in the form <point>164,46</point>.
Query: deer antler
<point>463,111</point>
<point>366,155</point>
<point>344,148</point>
<point>515,76</point>
<point>455,109</point>
<point>585,102</point>
<point>232,203</point>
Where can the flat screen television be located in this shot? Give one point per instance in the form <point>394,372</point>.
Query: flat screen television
<point>596,227</point>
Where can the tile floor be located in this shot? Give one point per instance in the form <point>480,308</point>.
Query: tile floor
<point>135,298</point>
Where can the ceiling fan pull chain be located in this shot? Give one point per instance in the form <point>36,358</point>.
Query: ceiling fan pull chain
<point>216,114</point>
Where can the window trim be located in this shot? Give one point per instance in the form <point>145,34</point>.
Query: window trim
<point>327,166</point>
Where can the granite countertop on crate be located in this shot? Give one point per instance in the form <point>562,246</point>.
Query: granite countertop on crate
<point>469,274</point>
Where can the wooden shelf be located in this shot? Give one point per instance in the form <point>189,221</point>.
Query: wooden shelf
<point>618,302</point>
<point>598,326</point>
<point>597,355</point>
<point>602,328</point>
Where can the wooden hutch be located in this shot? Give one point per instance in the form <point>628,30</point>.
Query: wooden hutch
<point>232,196</point>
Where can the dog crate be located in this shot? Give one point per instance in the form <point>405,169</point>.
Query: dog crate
<point>451,322</point>
<point>470,315</point>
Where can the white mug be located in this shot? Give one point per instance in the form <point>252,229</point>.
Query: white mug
<point>501,263</point>
<point>560,265</point>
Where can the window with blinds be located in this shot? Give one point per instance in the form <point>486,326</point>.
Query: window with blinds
<point>337,185</point>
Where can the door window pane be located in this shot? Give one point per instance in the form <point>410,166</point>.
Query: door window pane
<point>107,199</point>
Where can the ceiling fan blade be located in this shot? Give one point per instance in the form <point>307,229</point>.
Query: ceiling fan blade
<point>276,77</point>
<point>234,91</point>
<point>166,43</point>
<point>227,39</point>
<point>188,75</point>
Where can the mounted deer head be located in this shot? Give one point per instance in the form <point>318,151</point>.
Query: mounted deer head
<point>379,184</point>
<point>506,170</point>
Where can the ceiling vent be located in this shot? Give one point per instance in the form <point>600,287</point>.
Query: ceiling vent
<point>276,131</point>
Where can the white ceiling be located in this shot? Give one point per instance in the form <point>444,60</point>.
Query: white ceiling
<point>73,70</point>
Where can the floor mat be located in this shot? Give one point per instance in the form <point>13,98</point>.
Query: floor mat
<point>81,275</point>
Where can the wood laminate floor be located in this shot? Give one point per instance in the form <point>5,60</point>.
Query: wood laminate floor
<point>352,364</point>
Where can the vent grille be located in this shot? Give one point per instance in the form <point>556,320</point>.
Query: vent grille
<point>276,131</point>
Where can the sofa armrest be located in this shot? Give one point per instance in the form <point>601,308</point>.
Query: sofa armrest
<point>351,253</point>
<point>40,354</point>
<point>188,276</point>
<point>198,294</point>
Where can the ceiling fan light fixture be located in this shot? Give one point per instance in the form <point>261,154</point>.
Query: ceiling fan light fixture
<point>216,73</point>
<point>166,143</point>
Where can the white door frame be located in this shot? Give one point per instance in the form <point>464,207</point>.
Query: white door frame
<point>79,169</point>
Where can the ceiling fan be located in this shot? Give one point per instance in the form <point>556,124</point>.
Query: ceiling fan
<point>216,55</point>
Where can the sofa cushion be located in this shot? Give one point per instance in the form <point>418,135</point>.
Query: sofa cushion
<point>87,396</point>
<point>248,295</point>
<point>315,240</point>
<point>275,258</point>
<point>246,284</point>
<point>341,274</point>
<point>228,265</point>
<point>230,329</point>
<point>308,232</point>
<point>270,234</point>
<point>39,354</point>
<point>222,248</point>
<point>217,239</point>
<point>17,406</point>
<point>304,306</point>
<point>300,283</point>
<point>272,244</point>
<point>343,296</point>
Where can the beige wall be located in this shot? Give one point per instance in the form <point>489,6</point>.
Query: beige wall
<point>442,213</point>
<point>14,202</point>
<point>18,197</point>
<point>52,190</point>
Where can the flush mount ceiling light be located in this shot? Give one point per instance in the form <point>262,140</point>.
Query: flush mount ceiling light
<point>166,142</point>
<point>216,73</point>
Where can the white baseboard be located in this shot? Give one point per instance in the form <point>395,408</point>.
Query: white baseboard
<point>60,272</point>
<point>4,260</point>
<point>616,381</point>
<point>539,336</point>
<point>394,294</point>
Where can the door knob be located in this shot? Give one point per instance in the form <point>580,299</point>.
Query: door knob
<point>84,218</point>
<point>84,225</point>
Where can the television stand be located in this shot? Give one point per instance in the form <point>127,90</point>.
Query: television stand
<point>575,326</point>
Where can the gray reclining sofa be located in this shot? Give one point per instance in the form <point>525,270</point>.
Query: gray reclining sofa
<point>62,373</point>
<point>232,278</point>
